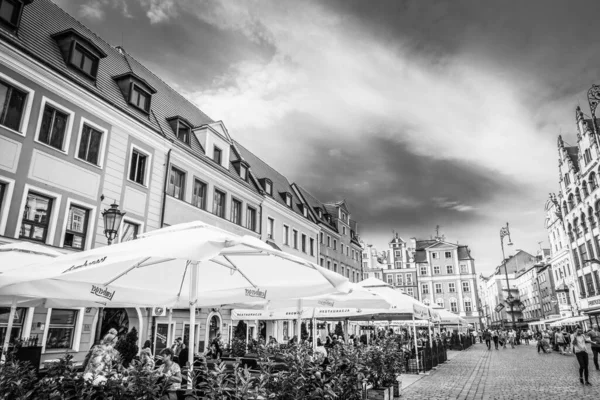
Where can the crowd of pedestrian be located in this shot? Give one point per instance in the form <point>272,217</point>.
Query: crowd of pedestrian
<point>562,340</point>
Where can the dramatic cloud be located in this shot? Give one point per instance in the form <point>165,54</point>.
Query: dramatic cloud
<point>419,113</point>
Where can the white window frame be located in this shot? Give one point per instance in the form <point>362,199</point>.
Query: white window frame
<point>452,268</point>
<point>286,235</point>
<point>68,129</point>
<point>438,269</point>
<point>408,278</point>
<point>101,153</point>
<point>468,299</point>
<point>272,236</point>
<point>468,286</point>
<point>434,255</point>
<point>6,201</point>
<point>435,288</point>
<point>398,264</point>
<point>423,268</point>
<point>451,287</point>
<point>53,218</point>
<point>446,254</point>
<point>89,234</point>
<point>146,183</point>
<point>28,105</point>
<point>464,270</point>
<point>425,288</point>
<point>76,333</point>
<point>138,222</point>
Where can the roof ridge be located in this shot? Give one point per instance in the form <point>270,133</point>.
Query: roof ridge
<point>126,53</point>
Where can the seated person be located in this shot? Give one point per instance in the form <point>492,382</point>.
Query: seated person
<point>172,373</point>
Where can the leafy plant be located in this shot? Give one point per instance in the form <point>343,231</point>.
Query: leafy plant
<point>17,380</point>
<point>127,347</point>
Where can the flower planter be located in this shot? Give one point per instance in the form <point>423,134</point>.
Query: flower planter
<point>379,394</point>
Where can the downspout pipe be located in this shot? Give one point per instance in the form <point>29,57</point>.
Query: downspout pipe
<point>164,197</point>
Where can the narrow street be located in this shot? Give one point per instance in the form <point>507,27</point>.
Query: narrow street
<point>514,374</point>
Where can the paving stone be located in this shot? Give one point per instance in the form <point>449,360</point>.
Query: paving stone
<point>505,374</point>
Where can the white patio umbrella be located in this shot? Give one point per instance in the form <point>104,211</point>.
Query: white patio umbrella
<point>186,265</point>
<point>14,256</point>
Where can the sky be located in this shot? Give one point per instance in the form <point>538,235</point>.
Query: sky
<point>418,113</point>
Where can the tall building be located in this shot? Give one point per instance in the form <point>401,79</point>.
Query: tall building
<point>579,208</point>
<point>447,277</point>
<point>401,270</point>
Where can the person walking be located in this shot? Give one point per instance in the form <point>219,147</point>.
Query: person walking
<point>525,336</point>
<point>503,338</point>
<point>594,335</point>
<point>487,336</point>
<point>495,338</point>
<point>559,338</point>
<point>539,337</point>
<point>580,350</point>
<point>512,337</point>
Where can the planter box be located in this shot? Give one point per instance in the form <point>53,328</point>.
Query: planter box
<point>379,394</point>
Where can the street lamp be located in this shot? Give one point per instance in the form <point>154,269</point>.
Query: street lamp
<point>504,231</point>
<point>112,221</point>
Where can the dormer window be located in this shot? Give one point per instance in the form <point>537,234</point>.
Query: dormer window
<point>305,211</point>
<point>139,98</point>
<point>320,212</point>
<point>269,187</point>
<point>288,199</point>
<point>217,155</point>
<point>243,172</point>
<point>79,52</point>
<point>10,13</point>
<point>181,128</point>
<point>136,91</point>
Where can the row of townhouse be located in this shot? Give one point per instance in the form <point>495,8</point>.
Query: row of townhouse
<point>525,293</point>
<point>84,125</point>
<point>434,271</point>
<point>573,216</point>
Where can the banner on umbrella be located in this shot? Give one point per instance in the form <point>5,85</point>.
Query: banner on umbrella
<point>420,311</point>
<point>337,312</point>
<point>270,315</point>
<point>435,316</point>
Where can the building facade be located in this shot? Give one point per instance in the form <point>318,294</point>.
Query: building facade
<point>84,125</point>
<point>446,277</point>
<point>401,271</point>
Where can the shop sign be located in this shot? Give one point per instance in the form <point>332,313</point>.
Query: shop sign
<point>499,307</point>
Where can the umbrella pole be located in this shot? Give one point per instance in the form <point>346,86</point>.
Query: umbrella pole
<point>169,331</point>
<point>430,333</point>
<point>192,333</point>
<point>314,333</point>
<point>299,321</point>
<point>11,318</point>
<point>415,340</point>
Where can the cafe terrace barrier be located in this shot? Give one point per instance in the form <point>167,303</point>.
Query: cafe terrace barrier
<point>429,358</point>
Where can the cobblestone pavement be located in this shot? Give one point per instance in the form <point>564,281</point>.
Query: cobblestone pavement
<point>518,374</point>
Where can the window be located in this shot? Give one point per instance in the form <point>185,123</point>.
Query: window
<point>409,279</point>
<point>217,155</point>
<point>398,264</point>
<point>36,217</point>
<point>288,200</point>
<point>320,213</point>
<point>328,241</point>
<point>139,98</point>
<point>347,252</point>
<point>328,265</point>
<point>434,255</point>
<point>61,329</point>
<point>583,253</point>
<point>343,230</point>
<point>399,280</point>
<point>587,156</point>
<point>453,305</point>
<point>129,231</point>
<point>137,169</point>
<point>53,127</point>
<point>236,211</point>
<point>199,194</point>
<point>77,222</point>
<point>410,291</point>
<point>84,61</point>
<point>397,253</point>
<point>268,187</point>
<point>438,288</point>
<point>10,11</point>
<point>448,254</point>
<point>423,270</point>
<point>270,224</point>
<point>365,265</point>
<point>452,287</point>
<point>567,180</point>
<point>463,269</point>
<point>243,172</point>
<point>251,219</point>
<point>176,183</point>
<point>90,144</point>
<point>295,238</point>
<point>342,247</point>
<point>17,323</point>
<point>322,262</point>
<point>334,267</point>
<point>312,246</point>
<point>436,269</point>
<point>589,282</point>
<point>335,244</point>
<point>321,237</point>
<point>449,269</point>
<point>12,105</point>
<point>219,203</point>
<point>390,279</point>
<point>303,243</point>
<point>182,131</point>
<point>466,287</point>
<point>425,288</point>
<point>468,307</point>
<point>440,302</point>
<point>286,235</point>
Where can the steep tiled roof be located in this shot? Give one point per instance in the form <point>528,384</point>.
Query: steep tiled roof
<point>280,183</point>
<point>420,256</point>
<point>464,253</point>
<point>314,203</point>
<point>41,19</point>
<point>422,244</point>
<point>573,153</point>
